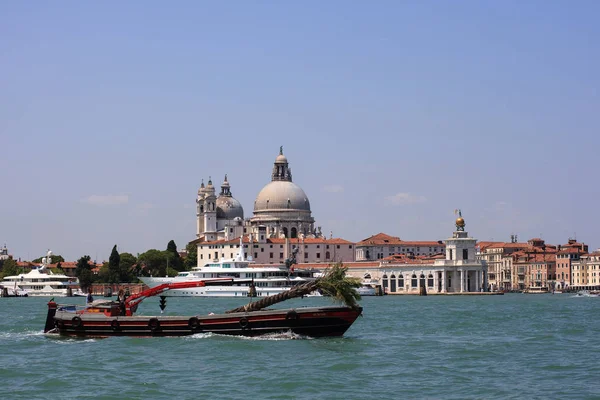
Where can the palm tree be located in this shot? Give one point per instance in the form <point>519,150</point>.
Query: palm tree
<point>333,283</point>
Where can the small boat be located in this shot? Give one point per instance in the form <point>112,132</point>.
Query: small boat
<point>6,291</point>
<point>106,318</point>
<point>587,293</point>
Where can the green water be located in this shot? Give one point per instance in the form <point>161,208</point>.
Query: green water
<point>474,347</point>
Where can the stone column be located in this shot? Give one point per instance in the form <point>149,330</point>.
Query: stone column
<point>477,281</point>
<point>462,280</point>
<point>444,290</point>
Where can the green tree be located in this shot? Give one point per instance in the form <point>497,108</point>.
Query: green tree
<point>53,259</point>
<point>153,262</point>
<point>114,272</point>
<point>173,256</point>
<point>9,268</point>
<point>83,272</point>
<point>191,258</point>
<point>126,267</point>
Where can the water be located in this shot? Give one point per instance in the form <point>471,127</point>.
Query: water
<point>453,347</point>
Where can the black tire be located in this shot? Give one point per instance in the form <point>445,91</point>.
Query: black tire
<point>76,322</point>
<point>193,323</point>
<point>154,324</point>
<point>244,323</point>
<point>115,325</point>
<point>291,315</point>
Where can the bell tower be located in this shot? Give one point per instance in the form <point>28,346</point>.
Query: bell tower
<point>210,212</point>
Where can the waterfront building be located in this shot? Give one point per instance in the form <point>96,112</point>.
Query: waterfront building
<point>456,271</point>
<point>586,272</point>
<point>282,220</point>
<point>276,250</point>
<point>498,258</point>
<point>381,246</point>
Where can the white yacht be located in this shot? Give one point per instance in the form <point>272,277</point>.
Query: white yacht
<point>243,275</point>
<point>41,281</point>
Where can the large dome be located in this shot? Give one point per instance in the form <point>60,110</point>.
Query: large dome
<point>281,195</point>
<point>229,208</point>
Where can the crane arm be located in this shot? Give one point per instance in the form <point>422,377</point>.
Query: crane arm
<point>134,300</point>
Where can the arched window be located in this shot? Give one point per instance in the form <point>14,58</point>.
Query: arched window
<point>393,283</point>
<point>385,283</point>
<point>327,255</point>
<point>422,278</point>
<point>413,281</point>
<point>294,233</point>
<point>401,282</point>
<point>430,281</point>
<point>368,255</point>
<point>285,232</point>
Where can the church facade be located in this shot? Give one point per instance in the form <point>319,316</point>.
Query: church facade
<point>281,220</point>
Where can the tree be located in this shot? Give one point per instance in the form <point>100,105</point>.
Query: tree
<point>173,256</point>
<point>114,273</point>
<point>126,269</point>
<point>9,268</point>
<point>153,262</point>
<point>83,272</point>
<point>191,258</point>
<point>333,283</point>
<point>53,259</point>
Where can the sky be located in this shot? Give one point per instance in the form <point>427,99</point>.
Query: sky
<point>392,115</point>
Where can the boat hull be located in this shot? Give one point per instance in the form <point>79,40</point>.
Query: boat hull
<point>313,322</point>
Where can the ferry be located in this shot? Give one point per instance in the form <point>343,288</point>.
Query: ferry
<point>41,281</point>
<point>245,279</point>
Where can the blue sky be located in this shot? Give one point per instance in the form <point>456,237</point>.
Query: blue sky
<point>391,113</point>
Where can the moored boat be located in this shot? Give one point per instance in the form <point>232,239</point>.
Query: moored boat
<point>41,281</point>
<point>105,318</point>
<point>245,278</point>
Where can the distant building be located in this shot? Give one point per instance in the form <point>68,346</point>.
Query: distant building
<point>4,254</point>
<point>380,246</point>
<point>456,271</point>
<point>586,272</point>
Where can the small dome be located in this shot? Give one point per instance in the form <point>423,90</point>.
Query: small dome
<point>281,159</point>
<point>281,195</point>
<point>229,208</point>
<point>460,222</point>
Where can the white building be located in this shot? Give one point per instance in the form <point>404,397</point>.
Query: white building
<point>459,271</point>
<point>281,221</point>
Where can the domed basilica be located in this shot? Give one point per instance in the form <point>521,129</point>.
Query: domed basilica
<point>281,210</point>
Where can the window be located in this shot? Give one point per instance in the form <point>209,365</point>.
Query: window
<point>255,255</point>
<point>393,283</point>
<point>401,281</point>
<point>327,246</point>
<point>338,246</point>
<point>270,255</point>
<point>280,255</point>
<point>305,255</point>
<point>318,255</point>
<point>327,255</point>
<point>465,254</point>
<point>430,281</point>
<point>271,246</point>
<point>262,250</point>
<point>413,281</point>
